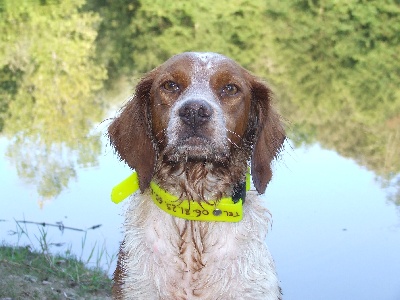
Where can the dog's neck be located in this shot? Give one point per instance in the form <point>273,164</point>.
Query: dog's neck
<point>200,181</point>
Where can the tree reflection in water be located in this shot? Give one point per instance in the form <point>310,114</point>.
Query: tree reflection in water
<point>334,67</point>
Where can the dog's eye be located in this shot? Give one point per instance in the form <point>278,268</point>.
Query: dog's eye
<point>230,89</point>
<point>171,86</point>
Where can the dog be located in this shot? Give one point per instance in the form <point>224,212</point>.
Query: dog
<point>194,127</point>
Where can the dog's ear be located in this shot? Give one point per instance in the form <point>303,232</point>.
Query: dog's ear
<point>269,136</point>
<point>130,133</point>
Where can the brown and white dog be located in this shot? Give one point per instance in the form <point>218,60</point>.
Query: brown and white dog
<point>193,126</point>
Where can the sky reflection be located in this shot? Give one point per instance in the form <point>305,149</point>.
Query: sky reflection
<point>334,233</point>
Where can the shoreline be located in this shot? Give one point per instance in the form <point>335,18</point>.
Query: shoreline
<point>30,274</point>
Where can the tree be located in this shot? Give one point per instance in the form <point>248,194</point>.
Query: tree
<point>52,105</point>
<point>139,35</point>
<point>340,75</point>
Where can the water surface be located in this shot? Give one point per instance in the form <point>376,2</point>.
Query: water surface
<point>67,66</point>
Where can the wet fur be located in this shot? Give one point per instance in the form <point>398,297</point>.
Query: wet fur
<point>163,257</point>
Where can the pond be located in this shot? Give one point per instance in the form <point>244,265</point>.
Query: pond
<point>67,67</point>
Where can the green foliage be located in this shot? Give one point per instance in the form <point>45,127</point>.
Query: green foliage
<point>50,102</point>
<point>335,66</point>
<point>9,81</point>
<point>341,49</point>
<point>142,34</point>
<point>225,27</point>
<point>341,67</point>
<point>115,40</point>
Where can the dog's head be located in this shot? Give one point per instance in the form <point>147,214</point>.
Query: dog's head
<point>198,107</point>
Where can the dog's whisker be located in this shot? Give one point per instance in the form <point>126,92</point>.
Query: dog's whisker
<point>161,132</point>
<point>164,104</point>
<point>233,143</point>
<point>234,133</point>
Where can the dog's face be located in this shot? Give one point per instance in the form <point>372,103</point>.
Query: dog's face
<point>199,107</point>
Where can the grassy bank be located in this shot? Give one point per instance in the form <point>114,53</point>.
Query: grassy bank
<point>26,274</point>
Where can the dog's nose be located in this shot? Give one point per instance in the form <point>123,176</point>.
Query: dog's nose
<point>195,112</point>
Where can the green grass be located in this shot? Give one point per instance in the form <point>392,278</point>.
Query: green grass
<point>26,274</point>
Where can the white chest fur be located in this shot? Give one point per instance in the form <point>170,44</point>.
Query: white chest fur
<point>171,258</point>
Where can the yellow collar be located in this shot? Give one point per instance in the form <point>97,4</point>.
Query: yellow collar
<point>223,210</point>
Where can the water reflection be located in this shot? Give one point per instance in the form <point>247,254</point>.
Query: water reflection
<point>342,91</point>
<point>334,68</point>
<point>54,59</point>
<point>50,168</point>
<point>50,81</point>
